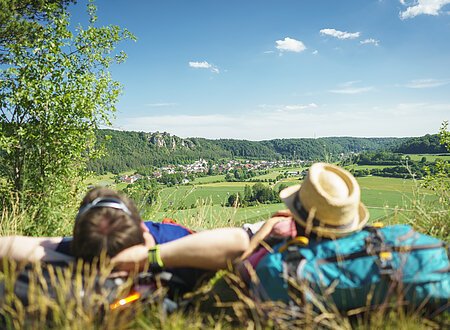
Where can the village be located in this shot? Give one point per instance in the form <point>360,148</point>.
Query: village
<point>203,167</point>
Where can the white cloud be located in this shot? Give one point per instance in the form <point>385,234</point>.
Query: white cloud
<point>288,107</point>
<point>269,52</point>
<point>370,41</point>
<point>300,106</point>
<point>204,65</point>
<point>340,34</point>
<point>339,120</point>
<point>200,65</point>
<point>315,52</point>
<point>422,7</point>
<point>290,45</point>
<point>427,83</point>
<point>350,88</point>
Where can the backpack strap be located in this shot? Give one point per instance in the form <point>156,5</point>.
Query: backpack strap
<point>291,261</point>
<point>376,246</point>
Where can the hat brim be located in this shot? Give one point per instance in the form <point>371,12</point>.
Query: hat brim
<point>289,195</point>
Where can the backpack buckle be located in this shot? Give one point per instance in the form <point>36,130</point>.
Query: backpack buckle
<point>299,240</point>
<point>385,258</point>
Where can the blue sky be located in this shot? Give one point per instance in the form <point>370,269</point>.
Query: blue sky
<point>263,69</point>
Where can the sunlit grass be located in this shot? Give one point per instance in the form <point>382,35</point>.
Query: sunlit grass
<point>393,201</point>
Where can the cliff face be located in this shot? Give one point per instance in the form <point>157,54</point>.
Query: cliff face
<point>171,142</point>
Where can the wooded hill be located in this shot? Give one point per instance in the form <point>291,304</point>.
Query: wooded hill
<point>126,150</point>
<point>427,144</point>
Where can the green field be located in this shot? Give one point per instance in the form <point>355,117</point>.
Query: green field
<point>429,157</point>
<point>272,175</point>
<point>212,193</point>
<point>204,203</point>
<point>277,171</point>
<point>363,167</point>
<point>212,216</point>
<point>106,180</point>
<point>209,179</point>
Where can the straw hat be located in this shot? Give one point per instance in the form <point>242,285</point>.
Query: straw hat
<point>328,202</point>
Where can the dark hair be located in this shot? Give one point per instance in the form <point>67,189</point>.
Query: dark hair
<point>105,229</point>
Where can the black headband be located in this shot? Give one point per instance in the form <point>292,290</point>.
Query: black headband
<point>304,214</point>
<point>110,202</point>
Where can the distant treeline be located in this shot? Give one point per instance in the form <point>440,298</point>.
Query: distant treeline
<point>126,150</point>
<point>428,144</point>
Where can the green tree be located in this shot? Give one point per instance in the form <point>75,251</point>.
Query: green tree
<point>444,135</point>
<point>143,192</point>
<point>248,195</point>
<point>232,199</point>
<point>55,91</point>
<point>261,193</point>
<point>23,20</point>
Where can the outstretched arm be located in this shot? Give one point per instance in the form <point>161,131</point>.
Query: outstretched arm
<point>23,248</point>
<point>209,249</point>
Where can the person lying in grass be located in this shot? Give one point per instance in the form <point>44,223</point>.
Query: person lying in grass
<point>109,222</point>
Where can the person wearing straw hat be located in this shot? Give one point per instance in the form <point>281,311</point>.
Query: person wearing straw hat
<point>328,202</point>
<point>326,205</point>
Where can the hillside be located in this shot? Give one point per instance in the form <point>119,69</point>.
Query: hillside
<point>127,150</point>
<point>427,144</point>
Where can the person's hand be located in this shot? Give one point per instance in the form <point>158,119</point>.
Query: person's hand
<point>265,230</point>
<point>131,259</point>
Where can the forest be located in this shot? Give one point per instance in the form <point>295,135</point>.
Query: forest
<point>125,150</point>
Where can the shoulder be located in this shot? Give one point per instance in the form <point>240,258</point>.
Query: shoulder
<point>165,232</point>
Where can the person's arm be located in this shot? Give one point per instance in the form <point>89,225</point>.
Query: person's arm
<point>30,249</point>
<point>209,249</point>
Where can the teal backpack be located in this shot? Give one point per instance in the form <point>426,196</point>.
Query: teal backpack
<point>367,269</point>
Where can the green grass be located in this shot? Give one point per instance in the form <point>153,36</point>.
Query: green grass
<point>274,172</point>
<point>370,167</point>
<point>429,157</point>
<point>206,198</point>
<point>106,180</point>
<point>271,175</point>
<point>210,179</point>
<point>386,198</point>
<point>212,216</point>
<point>382,196</point>
<point>215,193</point>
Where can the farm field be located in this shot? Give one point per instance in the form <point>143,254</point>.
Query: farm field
<point>203,203</point>
<point>363,167</point>
<point>106,180</point>
<point>429,157</point>
<point>212,216</point>
<point>272,175</point>
<point>277,171</point>
<point>209,179</point>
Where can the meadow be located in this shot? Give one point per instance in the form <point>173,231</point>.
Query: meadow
<point>200,205</point>
<point>383,197</point>
<point>203,200</point>
<point>429,157</point>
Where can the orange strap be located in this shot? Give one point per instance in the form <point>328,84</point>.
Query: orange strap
<point>173,222</point>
